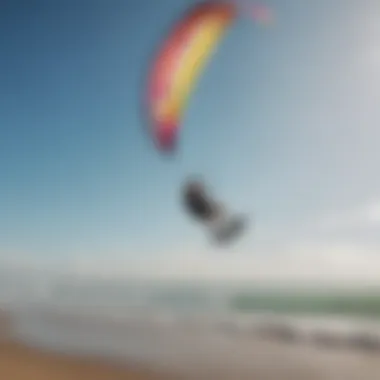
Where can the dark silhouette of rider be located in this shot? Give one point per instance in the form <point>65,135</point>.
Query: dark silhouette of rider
<point>199,203</point>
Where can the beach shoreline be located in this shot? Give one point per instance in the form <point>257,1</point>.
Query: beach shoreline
<point>140,352</point>
<point>20,361</point>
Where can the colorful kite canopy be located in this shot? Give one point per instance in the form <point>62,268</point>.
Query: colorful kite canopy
<point>180,61</point>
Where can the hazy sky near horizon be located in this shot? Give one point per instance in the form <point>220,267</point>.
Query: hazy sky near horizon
<point>284,124</point>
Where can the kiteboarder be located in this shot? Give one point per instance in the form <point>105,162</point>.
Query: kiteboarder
<point>199,203</point>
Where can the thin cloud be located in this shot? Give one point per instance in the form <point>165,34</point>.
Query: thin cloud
<point>367,215</point>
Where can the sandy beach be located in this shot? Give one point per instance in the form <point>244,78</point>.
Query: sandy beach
<point>19,362</point>
<point>194,357</point>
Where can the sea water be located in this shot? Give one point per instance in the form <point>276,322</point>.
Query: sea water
<point>177,324</point>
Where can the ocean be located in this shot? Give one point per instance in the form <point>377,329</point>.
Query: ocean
<point>118,294</point>
<point>177,325</point>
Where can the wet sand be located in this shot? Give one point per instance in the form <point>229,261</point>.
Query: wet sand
<point>19,362</point>
<point>240,359</point>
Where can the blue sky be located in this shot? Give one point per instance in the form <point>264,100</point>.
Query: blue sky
<point>284,124</point>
